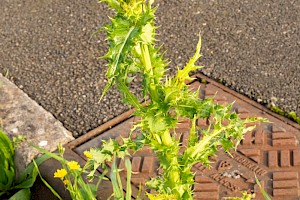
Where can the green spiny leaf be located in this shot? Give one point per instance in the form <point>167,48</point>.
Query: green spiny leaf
<point>117,57</point>
<point>183,75</point>
<point>128,97</point>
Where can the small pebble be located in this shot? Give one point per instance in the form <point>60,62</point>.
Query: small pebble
<point>43,143</point>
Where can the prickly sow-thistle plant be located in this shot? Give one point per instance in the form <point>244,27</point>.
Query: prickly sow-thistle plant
<point>132,51</point>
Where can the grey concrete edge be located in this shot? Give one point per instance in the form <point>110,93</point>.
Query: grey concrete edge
<point>20,115</point>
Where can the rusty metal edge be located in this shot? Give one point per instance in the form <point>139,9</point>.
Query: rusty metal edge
<point>248,100</point>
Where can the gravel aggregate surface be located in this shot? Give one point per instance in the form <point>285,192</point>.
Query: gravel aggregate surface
<point>47,48</point>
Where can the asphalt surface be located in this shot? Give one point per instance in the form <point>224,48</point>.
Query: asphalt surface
<point>47,48</point>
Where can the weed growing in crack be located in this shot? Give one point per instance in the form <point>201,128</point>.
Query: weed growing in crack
<point>132,51</point>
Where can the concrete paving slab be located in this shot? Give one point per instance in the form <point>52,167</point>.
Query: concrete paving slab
<point>20,115</point>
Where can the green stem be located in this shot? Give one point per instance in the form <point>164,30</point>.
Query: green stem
<point>169,161</point>
<point>146,59</point>
<point>149,71</point>
<point>157,138</point>
<point>171,173</point>
<point>166,138</point>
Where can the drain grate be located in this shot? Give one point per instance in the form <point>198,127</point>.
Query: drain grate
<point>271,151</point>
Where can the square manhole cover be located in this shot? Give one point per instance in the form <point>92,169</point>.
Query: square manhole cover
<point>271,151</point>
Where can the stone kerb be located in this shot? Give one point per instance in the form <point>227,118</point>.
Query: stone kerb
<point>20,115</point>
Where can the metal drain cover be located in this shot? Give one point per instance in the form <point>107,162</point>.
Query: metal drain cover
<point>271,151</point>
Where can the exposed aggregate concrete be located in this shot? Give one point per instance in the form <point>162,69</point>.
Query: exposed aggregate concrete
<point>48,50</point>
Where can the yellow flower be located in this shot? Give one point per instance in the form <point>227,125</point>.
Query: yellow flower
<point>60,173</point>
<point>65,181</point>
<point>88,154</point>
<point>73,165</point>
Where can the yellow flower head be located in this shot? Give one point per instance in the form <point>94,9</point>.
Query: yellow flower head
<point>88,154</point>
<point>73,165</point>
<point>60,173</point>
<point>65,182</point>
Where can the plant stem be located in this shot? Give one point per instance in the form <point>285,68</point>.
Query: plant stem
<point>166,138</point>
<point>149,71</point>
<point>172,173</point>
<point>146,59</point>
<point>169,161</point>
